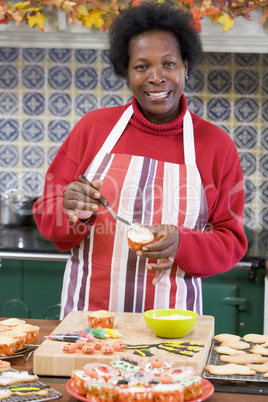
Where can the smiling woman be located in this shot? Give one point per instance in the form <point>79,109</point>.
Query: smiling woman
<point>157,165</point>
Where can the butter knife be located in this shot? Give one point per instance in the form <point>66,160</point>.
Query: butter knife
<point>103,201</point>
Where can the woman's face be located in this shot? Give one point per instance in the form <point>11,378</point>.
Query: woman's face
<point>156,74</point>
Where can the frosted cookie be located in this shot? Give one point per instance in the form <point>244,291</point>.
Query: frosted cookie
<point>126,364</point>
<point>259,368</point>
<point>24,390</point>
<point>255,338</point>
<point>229,369</point>
<point>14,377</point>
<point>239,345</point>
<point>102,370</point>
<point>156,365</point>
<point>3,328</point>
<point>225,350</point>
<point>5,393</point>
<point>226,337</point>
<point>4,365</point>
<point>244,358</point>
<point>259,350</point>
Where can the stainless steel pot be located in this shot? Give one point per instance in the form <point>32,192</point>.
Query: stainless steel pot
<point>16,209</point>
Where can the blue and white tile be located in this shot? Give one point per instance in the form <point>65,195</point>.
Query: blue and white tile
<point>219,81</point>
<point>265,83</point>
<point>264,218</point>
<point>111,100</point>
<point>33,77</point>
<point>60,55</point>
<point>264,110</point>
<point>33,183</point>
<point>51,153</point>
<point>9,156</point>
<point>86,56</point>
<point>245,136</point>
<point>86,78</point>
<point>60,104</point>
<point>195,105</point>
<point>264,191</point>
<point>7,180</point>
<point>33,55</point>
<point>246,109</point>
<point>250,190</point>
<point>8,77</point>
<point>33,103</point>
<point>84,103</point>
<point>8,54</point>
<point>59,77</point>
<point>264,165</point>
<point>247,59</point>
<point>246,82</point>
<point>264,138</point>
<point>58,130</point>
<point>249,216</point>
<point>33,130</point>
<point>33,156</point>
<point>9,130</point>
<point>105,56</point>
<point>248,163</point>
<point>8,103</point>
<point>218,109</point>
<point>195,83</point>
<point>110,81</point>
<point>218,59</point>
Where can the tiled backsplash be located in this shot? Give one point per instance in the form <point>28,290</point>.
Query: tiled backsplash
<point>44,92</point>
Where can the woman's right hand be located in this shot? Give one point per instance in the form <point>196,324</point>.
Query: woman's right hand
<point>81,199</point>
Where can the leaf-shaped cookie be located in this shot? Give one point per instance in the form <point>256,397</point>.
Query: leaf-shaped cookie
<point>225,350</point>
<point>259,368</point>
<point>255,338</point>
<point>259,350</point>
<point>244,358</point>
<point>229,369</point>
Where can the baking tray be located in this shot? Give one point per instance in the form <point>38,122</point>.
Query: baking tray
<point>255,384</point>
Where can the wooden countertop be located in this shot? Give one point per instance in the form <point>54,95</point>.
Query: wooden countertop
<point>58,383</point>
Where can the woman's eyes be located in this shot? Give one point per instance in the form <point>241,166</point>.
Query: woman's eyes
<point>143,67</point>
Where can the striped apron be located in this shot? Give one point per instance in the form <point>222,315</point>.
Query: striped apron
<point>102,273</point>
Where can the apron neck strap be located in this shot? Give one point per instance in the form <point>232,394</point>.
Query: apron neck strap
<point>188,140</point>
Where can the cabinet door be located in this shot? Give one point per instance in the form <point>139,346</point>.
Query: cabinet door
<point>239,310</point>
<point>42,283</point>
<point>11,293</point>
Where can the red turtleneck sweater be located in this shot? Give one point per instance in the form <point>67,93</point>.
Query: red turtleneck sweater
<point>202,254</point>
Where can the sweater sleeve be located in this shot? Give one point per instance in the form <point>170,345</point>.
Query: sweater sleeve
<point>223,242</point>
<point>49,211</point>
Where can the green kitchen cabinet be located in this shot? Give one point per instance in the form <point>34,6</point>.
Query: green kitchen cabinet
<point>30,288</point>
<point>236,300</point>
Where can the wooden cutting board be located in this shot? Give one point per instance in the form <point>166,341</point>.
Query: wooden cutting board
<point>49,358</point>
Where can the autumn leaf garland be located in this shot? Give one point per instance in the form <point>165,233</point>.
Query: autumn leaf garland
<point>99,14</point>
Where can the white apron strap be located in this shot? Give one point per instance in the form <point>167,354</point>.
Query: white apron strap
<point>112,138</point>
<point>188,140</point>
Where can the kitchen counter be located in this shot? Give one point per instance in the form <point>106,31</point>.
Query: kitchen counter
<point>58,383</point>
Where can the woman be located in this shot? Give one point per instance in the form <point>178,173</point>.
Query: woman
<point>156,164</point>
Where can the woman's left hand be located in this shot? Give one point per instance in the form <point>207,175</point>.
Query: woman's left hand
<point>164,248</point>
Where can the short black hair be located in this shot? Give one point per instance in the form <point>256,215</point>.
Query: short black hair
<point>153,16</point>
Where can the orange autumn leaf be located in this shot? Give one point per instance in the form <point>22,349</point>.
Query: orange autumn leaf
<point>55,3</point>
<point>37,19</point>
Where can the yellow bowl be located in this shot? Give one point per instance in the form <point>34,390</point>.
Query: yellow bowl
<point>170,323</point>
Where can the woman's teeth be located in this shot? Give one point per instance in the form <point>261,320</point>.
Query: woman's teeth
<point>159,95</point>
